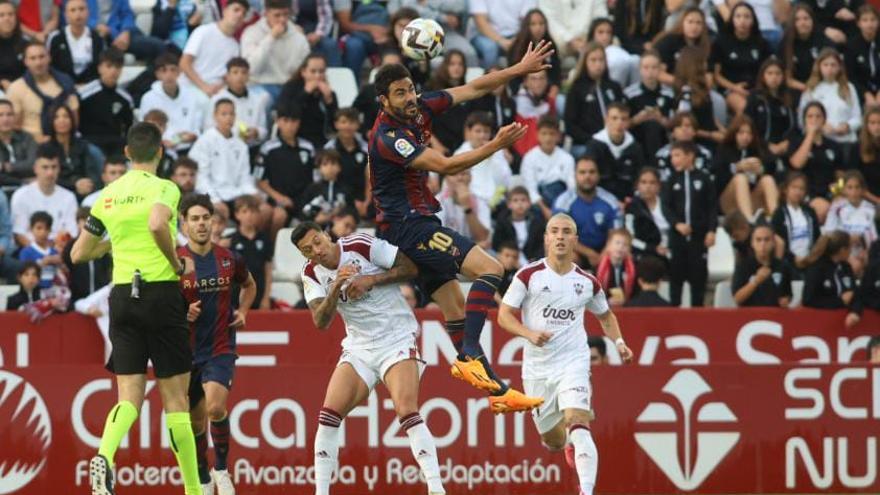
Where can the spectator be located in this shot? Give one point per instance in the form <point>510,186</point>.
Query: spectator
<point>874,350</point>
<point>367,101</point>
<point>869,153</point>
<point>12,45</point>
<point>829,85</point>
<point>637,23</point>
<point>684,129</point>
<point>310,90</point>
<point>452,17</point>
<point>181,104</point>
<point>623,67</point>
<point>447,129</point>
<point>159,119</point>
<point>862,56</point>
<point>287,167</point>
<point>29,287</point>
<point>40,88</point>
<point>590,94</point>
<point>419,70</point>
<point>352,149</point>
<point>534,29</point>
<point>491,177</point>
<point>114,167</point>
<point>274,48</point>
<point>533,102</point>
<point>80,160</point>
<point>598,350</point>
<point>761,279</point>
<point>770,109</point>
<point>593,214</point>
<point>463,211</point>
<point>173,21</point>
<point>75,49</point>
<point>17,148</point>
<point>114,20</point>
<point>741,172</point>
<point>496,22</point>
<point>693,94</point>
<point>44,194</point>
<point>41,251</point>
<point>327,196</point>
<point>107,110</point>
<point>509,256</point>
<point>650,104</point>
<point>253,246</point>
<point>365,25</point>
<point>499,103</point>
<point>689,31</point>
<point>829,283</point>
<point>38,19</point>
<point>617,269</point>
<point>855,216</point>
<point>344,222</point>
<point>547,170</point>
<point>317,22</point>
<point>210,47</point>
<point>690,196</point>
<point>869,289</point>
<point>619,155</point>
<point>804,39</point>
<point>568,22</point>
<point>184,174</point>
<point>647,218</point>
<point>795,224</point>
<point>9,265</point>
<point>522,227</point>
<point>816,156</point>
<point>739,230</point>
<point>225,170</point>
<point>737,50</point>
<point>250,105</point>
<point>650,270</point>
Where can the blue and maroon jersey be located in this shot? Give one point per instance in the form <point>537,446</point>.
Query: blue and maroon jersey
<point>400,191</point>
<point>216,276</point>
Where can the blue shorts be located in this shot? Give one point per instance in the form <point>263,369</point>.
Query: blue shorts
<point>220,369</point>
<point>436,250</point>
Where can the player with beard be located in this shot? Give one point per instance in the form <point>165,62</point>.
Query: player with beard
<point>553,294</point>
<point>400,159</point>
<point>219,274</point>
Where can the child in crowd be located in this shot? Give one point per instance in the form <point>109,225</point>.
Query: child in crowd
<point>29,287</point>
<point>254,247</point>
<point>617,269</point>
<point>829,283</point>
<point>169,149</point>
<point>547,170</point>
<point>521,225</point>
<point>250,104</point>
<point>352,149</point>
<point>795,224</point>
<point>855,216</point>
<point>650,270</point>
<point>41,251</point>
<point>326,197</point>
<point>533,102</point>
<point>509,256</point>
<point>761,279</point>
<point>491,177</point>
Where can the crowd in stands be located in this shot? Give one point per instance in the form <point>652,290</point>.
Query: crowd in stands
<point>658,122</point>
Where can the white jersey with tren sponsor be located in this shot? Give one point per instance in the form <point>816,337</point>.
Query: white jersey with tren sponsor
<point>381,317</point>
<point>555,303</point>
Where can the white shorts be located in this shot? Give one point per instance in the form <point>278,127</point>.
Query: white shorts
<point>571,389</point>
<point>371,365</point>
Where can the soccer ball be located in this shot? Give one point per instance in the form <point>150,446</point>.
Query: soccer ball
<point>422,39</point>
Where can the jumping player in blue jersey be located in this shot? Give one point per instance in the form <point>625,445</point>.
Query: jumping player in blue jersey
<point>399,161</point>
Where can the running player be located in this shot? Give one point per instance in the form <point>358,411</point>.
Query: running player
<point>359,277</point>
<point>213,321</point>
<point>400,160</point>
<point>553,293</point>
<point>147,309</point>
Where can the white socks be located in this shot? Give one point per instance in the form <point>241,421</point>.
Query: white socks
<point>586,457</point>
<point>424,450</point>
<point>326,449</point>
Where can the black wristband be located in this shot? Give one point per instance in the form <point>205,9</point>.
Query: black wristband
<point>182,267</point>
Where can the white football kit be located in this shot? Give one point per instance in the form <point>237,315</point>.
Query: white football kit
<point>380,326</point>
<point>559,372</point>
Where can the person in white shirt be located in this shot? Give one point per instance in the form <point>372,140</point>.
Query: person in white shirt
<point>552,295</point>
<point>463,211</point>
<point>224,163</point>
<point>491,177</point>
<point>496,22</point>
<point>829,86</point>
<point>568,21</point>
<point>359,276</point>
<point>182,104</point>
<point>855,216</point>
<point>250,103</point>
<point>114,168</point>
<point>210,47</point>
<point>547,170</point>
<point>75,48</point>
<point>274,47</point>
<point>44,194</point>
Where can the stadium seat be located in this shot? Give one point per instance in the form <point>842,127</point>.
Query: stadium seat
<point>129,73</point>
<point>5,292</point>
<point>721,257</point>
<point>287,258</point>
<point>797,293</point>
<point>342,81</point>
<point>663,290</point>
<point>472,73</point>
<point>723,295</point>
<point>143,14</point>
<point>288,292</point>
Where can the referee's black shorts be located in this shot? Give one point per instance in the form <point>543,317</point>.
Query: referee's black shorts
<point>153,327</point>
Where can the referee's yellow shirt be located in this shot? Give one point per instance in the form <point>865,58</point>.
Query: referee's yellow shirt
<point>123,208</point>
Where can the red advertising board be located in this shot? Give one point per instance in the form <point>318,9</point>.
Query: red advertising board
<point>726,427</point>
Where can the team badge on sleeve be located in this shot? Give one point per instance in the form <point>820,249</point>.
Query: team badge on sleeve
<point>404,147</point>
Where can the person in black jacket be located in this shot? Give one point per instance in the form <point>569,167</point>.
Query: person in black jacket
<point>690,197</point>
<point>804,39</point>
<point>523,225</point>
<point>85,278</point>
<point>75,48</point>
<point>328,196</point>
<point>795,223</point>
<point>740,171</point>
<point>647,217</point>
<point>650,104</point>
<point>588,99</point>
<point>12,44</point>
<point>18,150</point>
<point>829,283</point>
<point>769,106</point>
<point>637,22</point>
<point>761,279</point>
<point>737,50</point>
<point>29,287</point>
<point>684,128</point>
<point>80,160</point>
<point>617,152</point>
<point>106,110</point>
<point>499,103</point>
<point>650,270</point>
<point>310,90</point>
<point>863,56</point>
<point>869,289</point>
<point>819,158</point>
<point>447,128</point>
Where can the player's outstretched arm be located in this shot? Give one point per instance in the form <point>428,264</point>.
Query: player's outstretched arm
<point>434,161</point>
<point>535,60</point>
<point>508,320</point>
<point>402,270</point>
<point>612,329</point>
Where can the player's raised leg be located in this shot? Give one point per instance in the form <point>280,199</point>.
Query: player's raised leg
<point>402,381</point>
<point>345,391</point>
<point>119,420</point>
<point>180,433</point>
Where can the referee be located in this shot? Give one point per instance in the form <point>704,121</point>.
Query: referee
<point>147,309</point>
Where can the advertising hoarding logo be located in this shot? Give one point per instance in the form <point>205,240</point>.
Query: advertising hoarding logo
<point>25,432</point>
